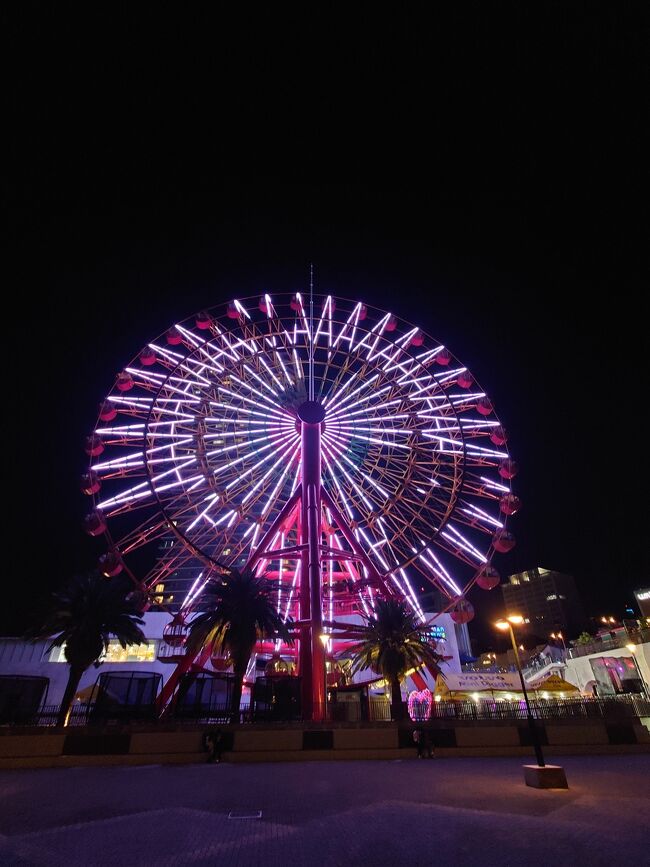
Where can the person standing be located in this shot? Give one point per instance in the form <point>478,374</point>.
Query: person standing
<point>214,745</point>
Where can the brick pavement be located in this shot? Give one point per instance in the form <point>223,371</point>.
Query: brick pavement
<point>474,811</point>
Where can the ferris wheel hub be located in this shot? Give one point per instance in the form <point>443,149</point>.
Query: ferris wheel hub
<point>311,412</point>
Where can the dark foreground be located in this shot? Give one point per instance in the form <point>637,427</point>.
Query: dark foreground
<point>410,812</point>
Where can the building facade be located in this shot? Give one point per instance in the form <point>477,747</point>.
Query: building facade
<point>547,600</point>
<point>20,657</point>
<point>642,597</point>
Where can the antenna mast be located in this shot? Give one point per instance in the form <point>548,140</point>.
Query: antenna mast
<point>311,331</point>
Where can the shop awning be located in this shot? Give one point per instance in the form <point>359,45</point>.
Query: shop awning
<point>552,683</point>
<point>466,684</point>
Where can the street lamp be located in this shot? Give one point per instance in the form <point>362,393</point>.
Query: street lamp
<point>558,635</point>
<point>632,649</point>
<point>506,626</point>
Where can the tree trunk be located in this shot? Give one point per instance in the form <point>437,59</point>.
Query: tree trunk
<point>68,696</point>
<point>236,693</point>
<point>396,710</point>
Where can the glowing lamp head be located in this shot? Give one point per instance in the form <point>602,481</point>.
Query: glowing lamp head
<point>503,625</point>
<point>517,619</point>
<point>631,647</point>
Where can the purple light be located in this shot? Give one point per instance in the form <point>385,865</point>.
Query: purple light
<point>461,541</point>
<point>352,320</point>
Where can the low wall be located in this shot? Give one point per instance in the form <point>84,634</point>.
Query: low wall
<point>85,746</point>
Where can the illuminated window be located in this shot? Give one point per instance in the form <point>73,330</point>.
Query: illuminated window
<point>134,653</point>
<point>116,653</point>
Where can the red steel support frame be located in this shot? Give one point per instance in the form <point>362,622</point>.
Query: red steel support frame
<point>309,499</point>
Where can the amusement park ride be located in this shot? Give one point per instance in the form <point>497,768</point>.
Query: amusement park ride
<point>330,446</point>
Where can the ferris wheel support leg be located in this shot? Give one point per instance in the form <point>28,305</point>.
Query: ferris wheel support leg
<point>267,538</point>
<point>312,651</point>
<point>350,538</point>
<point>163,702</point>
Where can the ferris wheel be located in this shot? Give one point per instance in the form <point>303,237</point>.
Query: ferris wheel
<point>199,454</point>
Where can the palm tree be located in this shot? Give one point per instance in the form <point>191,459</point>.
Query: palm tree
<point>82,616</point>
<point>241,609</point>
<point>395,641</point>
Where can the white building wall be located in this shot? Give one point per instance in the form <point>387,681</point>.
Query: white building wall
<point>26,658</point>
<point>580,673</point>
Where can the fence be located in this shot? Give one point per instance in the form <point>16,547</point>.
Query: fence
<point>615,642</point>
<point>615,708</point>
<point>375,710</point>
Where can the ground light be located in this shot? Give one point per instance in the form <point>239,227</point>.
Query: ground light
<point>541,775</point>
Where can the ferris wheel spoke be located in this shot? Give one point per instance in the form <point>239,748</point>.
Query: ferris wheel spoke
<point>324,326</point>
<point>272,499</point>
<point>478,518</point>
<point>454,542</point>
<point>267,402</point>
<point>283,454</point>
<point>434,566</point>
<point>274,442</point>
<point>148,531</point>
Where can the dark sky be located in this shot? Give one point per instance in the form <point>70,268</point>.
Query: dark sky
<point>482,172</point>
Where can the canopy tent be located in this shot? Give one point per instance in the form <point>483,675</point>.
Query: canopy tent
<point>553,683</point>
<point>468,684</point>
<point>472,684</point>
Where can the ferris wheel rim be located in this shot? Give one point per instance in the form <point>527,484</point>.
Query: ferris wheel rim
<point>211,561</point>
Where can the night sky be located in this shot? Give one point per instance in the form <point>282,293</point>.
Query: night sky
<point>483,174</point>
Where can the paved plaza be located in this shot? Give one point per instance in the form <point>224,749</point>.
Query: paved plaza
<point>442,811</point>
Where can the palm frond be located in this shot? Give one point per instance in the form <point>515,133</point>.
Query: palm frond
<point>85,613</point>
<point>239,609</point>
<point>394,642</point>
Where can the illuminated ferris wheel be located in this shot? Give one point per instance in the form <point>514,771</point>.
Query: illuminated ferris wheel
<point>201,440</point>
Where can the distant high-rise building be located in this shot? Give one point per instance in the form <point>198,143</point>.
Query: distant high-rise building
<point>547,600</point>
<point>643,600</point>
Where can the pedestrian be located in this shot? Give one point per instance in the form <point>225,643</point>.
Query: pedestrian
<point>419,741</point>
<point>214,744</point>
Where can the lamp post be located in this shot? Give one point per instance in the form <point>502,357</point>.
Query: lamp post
<point>506,625</point>
<point>558,635</point>
<point>632,649</point>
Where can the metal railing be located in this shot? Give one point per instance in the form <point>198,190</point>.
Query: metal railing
<point>544,709</point>
<point>376,710</point>
<point>600,645</point>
